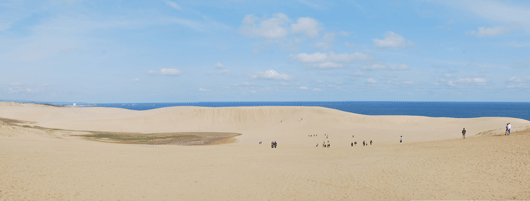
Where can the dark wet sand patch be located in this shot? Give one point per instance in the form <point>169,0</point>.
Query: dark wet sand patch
<point>177,138</point>
<point>173,138</point>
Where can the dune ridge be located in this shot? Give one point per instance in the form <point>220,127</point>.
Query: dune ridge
<point>286,124</point>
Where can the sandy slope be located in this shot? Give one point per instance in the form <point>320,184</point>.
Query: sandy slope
<point>433,163</point>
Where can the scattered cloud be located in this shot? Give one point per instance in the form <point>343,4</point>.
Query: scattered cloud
<point>490,32</point>
<point>135,79</point>
<point>306,26</point>
<point>224,71</point>
<point>255,51</point>
<point>310,4</point>
<point>201,89</point>
<point>343,33</point>
<point>173,4</point>
<point>349,44</point>
<point>446,26</point>
<point>372,81</point>
<point>518,44</point>
<point>280,30</point>
<point>448,75</point>
<point>222,47</point>
<point>243,84</point>
<point>317,89</point>
<point>400,83</point>
<point>375,67</point>
<point>16,84</point>
<point>272,28</point>
<point>165,71</point>
<point>507,12</point>
<point>358,73</point>
<point>518,82</point>
<point>219,65</point>
<point>399,67</point>
<point>461,81</point>
<point>523,63</point>
<point>392,40</point>
<point>330,60</point>
<point>271,74</point>
<point>304,88</point>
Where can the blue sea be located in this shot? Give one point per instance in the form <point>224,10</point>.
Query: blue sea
<point>430,109</point>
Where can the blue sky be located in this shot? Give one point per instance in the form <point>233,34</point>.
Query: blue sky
<point>306,50</point>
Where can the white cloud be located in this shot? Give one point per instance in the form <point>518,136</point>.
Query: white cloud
<point>224,71</point>
<point>243,84</point>
<point>400,83</point>
<point>317,89</point>
<point>349,44</point>
<point>330,60</point>
<point>489,32</point>
<point>135,79</point>
<point>219,65</point>
<point>272,28</point>
<point>448,75</point>
<point>16,84</point>
<point>461,81</point>
<point>375,67</point>
<point>271,74</point>
<point>343,33</point>
<point>522,63</point>
<point>392,40</point>
<point>201,89</point>
<point>518,82</point>
<point>518,44</point>
<point>173,4</point>
<point>358,73</point>
<point>506,12</point>
<point>323,45</point>
<point>400,67</point>
<point>370,80</point>
<point>165,71</point>
<point>252,91</point>
<point>307,26</point>
<point>304,88</point>
<point>279,27</point>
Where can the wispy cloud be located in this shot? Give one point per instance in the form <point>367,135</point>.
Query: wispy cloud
<point>271,74</point>
<point>330,60</point>
<point>165,71</point>
<point>173,4</point>
<point>490,31</point>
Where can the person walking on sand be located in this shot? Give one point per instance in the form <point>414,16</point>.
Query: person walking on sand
<point>464,133</point>
<point>370,142</point>
<point>351,144</point>
<point>401,139</point>
<point>509,128</point>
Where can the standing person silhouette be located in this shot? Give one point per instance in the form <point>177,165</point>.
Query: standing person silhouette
<point>464,133</point>
<point>509,127</point>
<point>401,139</point>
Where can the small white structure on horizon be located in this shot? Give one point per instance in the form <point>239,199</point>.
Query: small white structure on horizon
<point>74,104</point>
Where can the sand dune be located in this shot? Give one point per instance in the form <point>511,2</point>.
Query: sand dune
<point>433,163</point>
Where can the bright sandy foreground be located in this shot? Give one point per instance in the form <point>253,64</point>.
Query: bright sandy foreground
<point>432,163</point>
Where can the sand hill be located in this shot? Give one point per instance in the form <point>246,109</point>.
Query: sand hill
<point>433,163</point>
